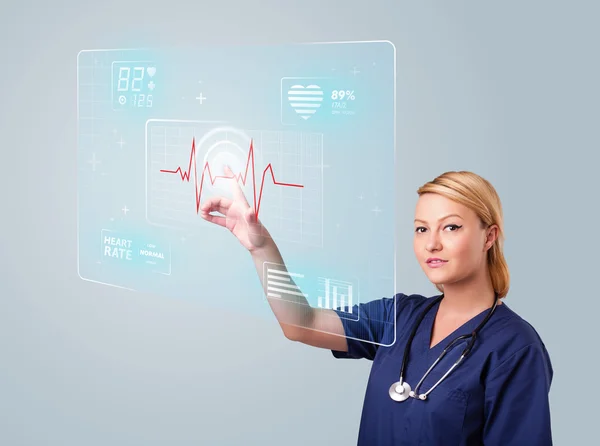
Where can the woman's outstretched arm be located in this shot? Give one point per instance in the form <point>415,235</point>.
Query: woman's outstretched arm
<point>299,321</point>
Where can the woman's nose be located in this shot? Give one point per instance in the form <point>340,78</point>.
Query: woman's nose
<point>433,243</point>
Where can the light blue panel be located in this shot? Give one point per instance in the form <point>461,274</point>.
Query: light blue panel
<point>308,129</point>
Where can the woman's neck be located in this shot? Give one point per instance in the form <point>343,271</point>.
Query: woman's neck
<point>469,296</point>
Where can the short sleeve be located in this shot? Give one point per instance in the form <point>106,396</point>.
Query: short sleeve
<point>374,327</point>
<point>517,408</point>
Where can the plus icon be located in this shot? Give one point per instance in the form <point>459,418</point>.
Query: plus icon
<point>125,209</point>
<point>355,71</point>
<point>201,98</point>
<point>94,161</point>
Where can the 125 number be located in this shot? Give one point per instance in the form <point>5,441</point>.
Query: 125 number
<point>141,100</point>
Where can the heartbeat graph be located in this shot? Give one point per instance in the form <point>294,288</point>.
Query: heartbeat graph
<point>186,176</point>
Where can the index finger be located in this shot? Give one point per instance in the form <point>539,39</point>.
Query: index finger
<point>238,193</point>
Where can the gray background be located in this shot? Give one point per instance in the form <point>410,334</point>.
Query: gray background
<point>506,89</point>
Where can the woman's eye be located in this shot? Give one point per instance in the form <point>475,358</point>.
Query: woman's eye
<point>455,226</point>
<point>447,226</point>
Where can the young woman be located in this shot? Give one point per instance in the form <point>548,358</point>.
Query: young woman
<point>496,391</point>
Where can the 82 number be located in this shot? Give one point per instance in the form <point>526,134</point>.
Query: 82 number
<point>124,74</point>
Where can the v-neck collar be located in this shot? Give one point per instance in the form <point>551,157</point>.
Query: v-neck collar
<point>466,328</point>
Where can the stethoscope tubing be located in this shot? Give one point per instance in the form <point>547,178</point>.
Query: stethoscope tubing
<point>473,335</point>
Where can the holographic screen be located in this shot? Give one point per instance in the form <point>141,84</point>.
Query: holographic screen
<point>308,131</point>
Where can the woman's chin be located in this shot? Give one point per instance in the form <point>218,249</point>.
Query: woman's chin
<point>437,279</point>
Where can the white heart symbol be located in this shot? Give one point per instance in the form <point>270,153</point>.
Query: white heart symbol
<point>151,71</point>
<point>305,100</point>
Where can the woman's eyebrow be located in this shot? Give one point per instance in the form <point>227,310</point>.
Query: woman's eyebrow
<point>443,218</point>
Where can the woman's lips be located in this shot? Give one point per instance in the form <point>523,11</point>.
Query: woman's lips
<point>436,264</point>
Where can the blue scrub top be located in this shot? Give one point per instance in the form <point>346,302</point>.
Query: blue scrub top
<point>498,395</point>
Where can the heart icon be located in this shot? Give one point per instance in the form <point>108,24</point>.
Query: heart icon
<point>151,71</point>
<point>305,100</point>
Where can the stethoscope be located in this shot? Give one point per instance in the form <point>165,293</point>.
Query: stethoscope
<point>400,390</point>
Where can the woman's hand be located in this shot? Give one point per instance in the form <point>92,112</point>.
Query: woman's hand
<point>238,216</point>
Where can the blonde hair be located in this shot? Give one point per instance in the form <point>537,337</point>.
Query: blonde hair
<point>478,194</point>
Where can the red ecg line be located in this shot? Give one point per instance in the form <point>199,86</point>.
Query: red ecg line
<point>185,176</point>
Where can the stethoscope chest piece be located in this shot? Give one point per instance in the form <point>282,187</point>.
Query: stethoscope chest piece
<point>400,392</point>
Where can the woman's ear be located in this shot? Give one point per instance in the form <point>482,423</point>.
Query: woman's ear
<point>491,236</point>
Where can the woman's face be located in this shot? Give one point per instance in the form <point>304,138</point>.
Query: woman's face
<point>452,232</point>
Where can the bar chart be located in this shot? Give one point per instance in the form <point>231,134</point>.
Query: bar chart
<point>334,294</point>
<point>308,289</point>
